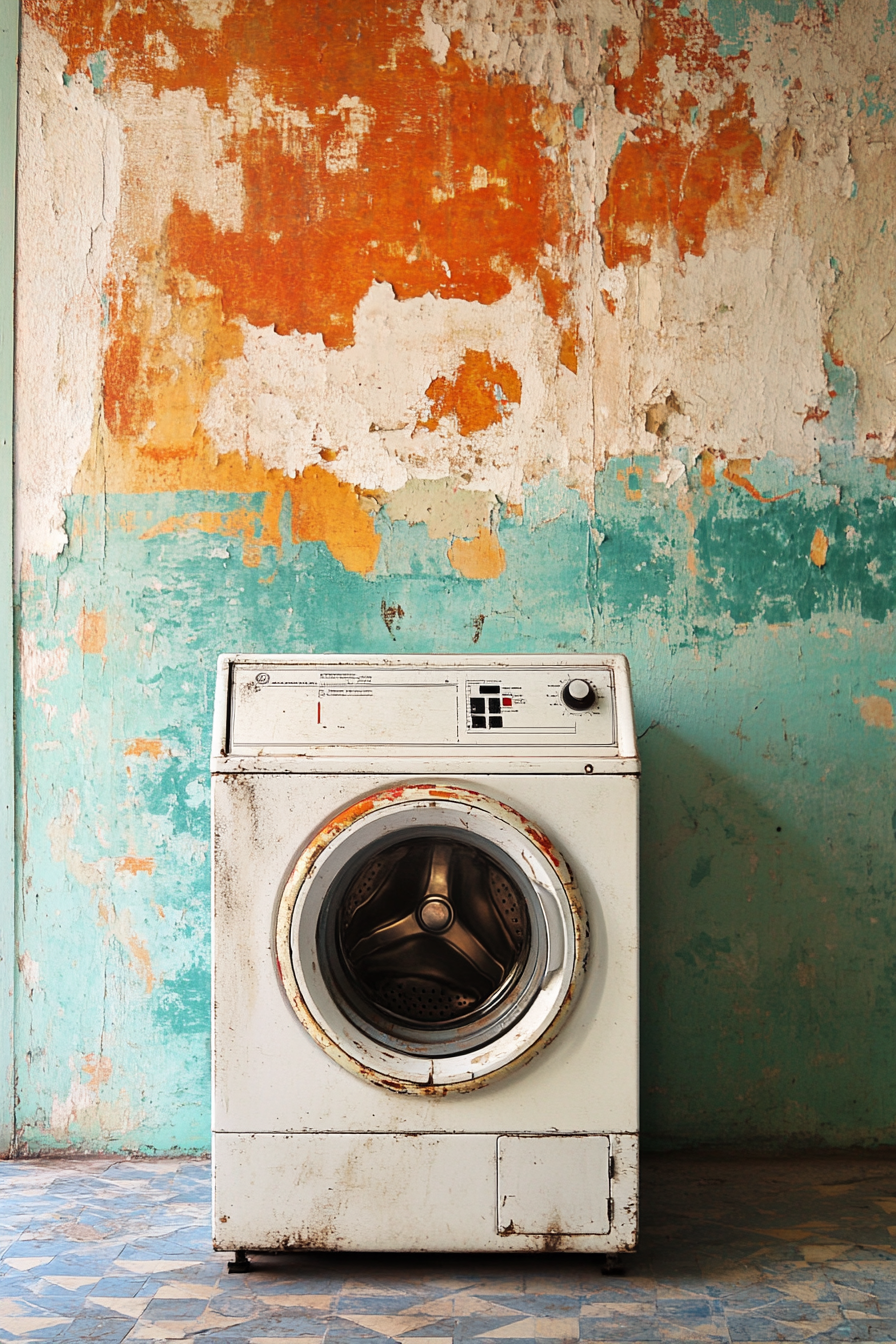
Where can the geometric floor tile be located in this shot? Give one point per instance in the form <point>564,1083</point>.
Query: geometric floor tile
<point>800,1249</point>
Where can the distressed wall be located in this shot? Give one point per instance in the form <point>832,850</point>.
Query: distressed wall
<point>491,325</point>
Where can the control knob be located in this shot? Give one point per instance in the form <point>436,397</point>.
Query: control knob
<point>578,695</point>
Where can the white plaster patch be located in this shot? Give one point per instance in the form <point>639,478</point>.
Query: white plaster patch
<point>555,46</point>
<point>735,335</point>
<point>61,833</point>
<point>824,107</point>
<point>343,149</point>
<point>162,50</point>
<point>208,14</point>
<point>29,970</point>
<point>176,145</point>
<point>70,158</point>
<point>39,665</point>
<point>94,1115</point>
<point>80,721</point>
<point>287,397</point>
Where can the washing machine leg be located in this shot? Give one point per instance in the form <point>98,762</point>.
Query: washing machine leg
<point>240,1264</point>
<point>613,1264</point>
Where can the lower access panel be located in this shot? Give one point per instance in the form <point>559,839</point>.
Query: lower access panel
<point>550,1184</point>
<point>360,1192</point>
<point>423,1192</point>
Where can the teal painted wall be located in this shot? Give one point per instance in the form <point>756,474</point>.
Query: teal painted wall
<point>768,844</point>
<point>9,49</point>
<point>753,593</point>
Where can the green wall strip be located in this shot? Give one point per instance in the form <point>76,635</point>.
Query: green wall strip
<point>9,52</point>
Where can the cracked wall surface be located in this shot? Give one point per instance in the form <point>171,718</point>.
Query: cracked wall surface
<point>493,325</point>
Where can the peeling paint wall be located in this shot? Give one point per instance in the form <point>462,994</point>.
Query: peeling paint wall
<point>464,324</point>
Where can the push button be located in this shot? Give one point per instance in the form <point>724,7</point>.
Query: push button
<point>494,705</point>
<point>478,721</point>
<point>477,705</point>
<point>495,721</point>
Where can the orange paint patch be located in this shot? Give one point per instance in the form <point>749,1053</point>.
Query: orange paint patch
<point>679,167</point>
<point>98,1069</point>
<point>818,551</point>
<point>554,292</point>
<point>433,178</point>
<point>366,162</point>
<point>90,632</point>
<point>632,491</point>
<point>876,710</point>
<point>145,746</point>
<point>326,509</point>
<point>131,864</point>
<point>446,193</point>
<point>708,469</point>
<point>481,558</point>
<point>478,395</point>
<point>569,350</point>
<point>323,509</point>
<point>168,350</point>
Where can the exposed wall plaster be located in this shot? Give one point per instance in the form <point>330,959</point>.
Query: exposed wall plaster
<point>464,324</point>
<point>68,200</point>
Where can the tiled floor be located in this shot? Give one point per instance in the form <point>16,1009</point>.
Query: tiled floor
<point>802,1249</point>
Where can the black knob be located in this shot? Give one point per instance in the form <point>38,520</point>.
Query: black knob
<point>578,694</point>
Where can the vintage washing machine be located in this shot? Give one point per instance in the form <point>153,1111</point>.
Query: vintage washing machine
<point>425,953</point>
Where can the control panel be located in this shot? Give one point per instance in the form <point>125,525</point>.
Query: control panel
<point>280,708</point>
<point>560,705</point>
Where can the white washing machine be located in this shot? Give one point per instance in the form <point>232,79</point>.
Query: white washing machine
<point>425,954</point>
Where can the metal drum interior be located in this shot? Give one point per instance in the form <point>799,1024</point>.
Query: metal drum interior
<point>432,941</point>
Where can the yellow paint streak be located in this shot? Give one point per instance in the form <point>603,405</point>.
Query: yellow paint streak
<point>90,632</point>
<point>876,710</point>
<point>323,509</point>
<point>481,558</point>
<point>146,746</point>
<point>818,551</point>
<point>888,685</point>
<point>245,523</point>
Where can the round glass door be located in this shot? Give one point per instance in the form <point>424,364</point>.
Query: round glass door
<point>437,925</point>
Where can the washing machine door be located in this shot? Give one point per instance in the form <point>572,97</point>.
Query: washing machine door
<point>430,938</point>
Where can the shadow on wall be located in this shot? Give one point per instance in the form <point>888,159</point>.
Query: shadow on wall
<point>768,982</point>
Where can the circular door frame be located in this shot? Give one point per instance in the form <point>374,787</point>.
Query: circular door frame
<point>364,822</point>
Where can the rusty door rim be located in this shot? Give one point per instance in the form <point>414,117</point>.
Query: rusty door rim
<point>302,900</point>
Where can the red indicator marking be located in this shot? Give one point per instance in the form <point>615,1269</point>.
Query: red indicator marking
<point>506,700</point>
<point>318,711</point>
